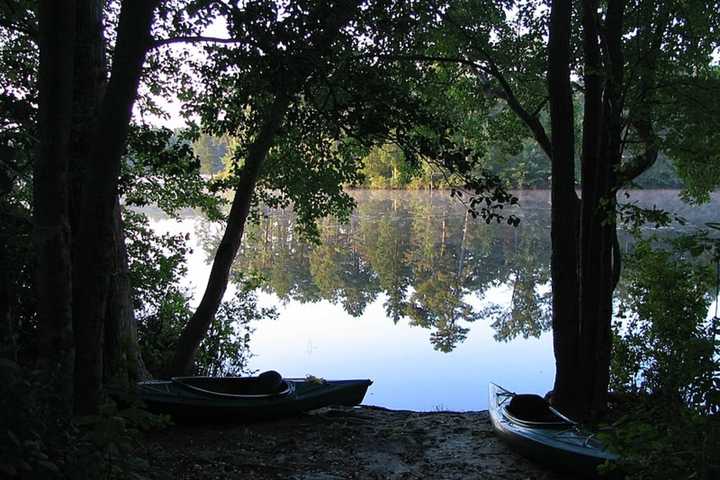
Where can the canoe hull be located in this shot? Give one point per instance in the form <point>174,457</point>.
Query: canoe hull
<point>561,446</point>
<point>171,398</point>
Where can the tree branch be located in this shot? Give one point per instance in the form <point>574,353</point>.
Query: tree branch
<point>529,119</point>
<point>640,163</point>
<point>192,39</point>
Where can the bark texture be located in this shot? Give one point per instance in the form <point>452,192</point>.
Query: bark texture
<point>122,362</point>
<point>582,338</point>
<point>8,346</point>
<point>51,234</point>
<point>98,199</point>
<point>564,214</point>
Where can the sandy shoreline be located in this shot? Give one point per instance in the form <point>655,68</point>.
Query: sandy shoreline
<point>341,443</point>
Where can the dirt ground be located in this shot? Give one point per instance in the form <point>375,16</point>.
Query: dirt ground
<point>341,443</point>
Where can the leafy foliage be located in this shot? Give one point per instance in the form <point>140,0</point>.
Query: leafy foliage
<point>210,151</point>
<point>160,169</point>
<point>666,362</point>
<point>162,305</point>
<point>659,441</point>
<point>667,348</point>
<point>225,349</point>
<point>157,265</point>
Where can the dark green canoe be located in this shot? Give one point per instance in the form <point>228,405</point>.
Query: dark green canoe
<point>241,398</point>
<point>553,439</point>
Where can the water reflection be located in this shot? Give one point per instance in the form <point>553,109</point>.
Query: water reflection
<point>420,252</point>
<point>424,256</point>
<point>407,260</point>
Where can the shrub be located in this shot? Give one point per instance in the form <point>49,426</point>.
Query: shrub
<point>666,362</point>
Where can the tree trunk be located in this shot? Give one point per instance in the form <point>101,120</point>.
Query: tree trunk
<point>122,365</point>
<point>198,325</point>
<point>594,185</point>
<point>317,48</point>
<point>583,358</point>
<point>597,319</point>
<point>99,190</point>
<point>89,82</point>
<point>51,235</point>
<point>8,347</point>
<point>564,214</point>
<point>8,344</point>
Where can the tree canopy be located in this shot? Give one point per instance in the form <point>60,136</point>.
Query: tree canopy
<point>303,91</point>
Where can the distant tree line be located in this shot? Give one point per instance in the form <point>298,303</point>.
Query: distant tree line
<point>386,167</point>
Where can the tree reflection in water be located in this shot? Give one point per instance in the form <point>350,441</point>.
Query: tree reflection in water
<point>421,253</point>
<point>428,261</point>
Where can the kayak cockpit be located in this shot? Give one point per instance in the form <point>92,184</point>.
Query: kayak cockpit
<point>533,410</point>
<point>267,384</point>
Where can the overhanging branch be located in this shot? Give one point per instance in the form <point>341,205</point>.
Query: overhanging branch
<point>193,39</point>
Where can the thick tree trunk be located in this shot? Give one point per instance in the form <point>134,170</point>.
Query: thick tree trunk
<point>564,209</point>
<point>602,136</point>
<point>99,190</point>
<point>51,235</point>
<point>89,82</point>
<point>594,185</point>
<point>90,77</point>
<point>8,345</point>
<point>198,325</point>
<point>601,317</point>
<point>122,362</point>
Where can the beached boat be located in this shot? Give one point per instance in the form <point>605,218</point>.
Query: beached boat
<point>246,398</point>
<point>537,431</point>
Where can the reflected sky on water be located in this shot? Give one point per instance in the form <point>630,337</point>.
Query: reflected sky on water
<point>413,293</point>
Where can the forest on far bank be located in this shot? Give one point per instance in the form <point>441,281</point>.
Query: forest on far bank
<point>522,166</point>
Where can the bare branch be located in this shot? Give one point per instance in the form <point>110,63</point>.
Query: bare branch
<point>193,39</point>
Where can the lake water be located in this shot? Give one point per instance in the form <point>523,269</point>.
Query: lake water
<point>413,293</point>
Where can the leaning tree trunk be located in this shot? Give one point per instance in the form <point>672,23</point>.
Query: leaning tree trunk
<point>51,235</point>
<point>564,210</point>
<point>198,325</point>
<point>98,199</point>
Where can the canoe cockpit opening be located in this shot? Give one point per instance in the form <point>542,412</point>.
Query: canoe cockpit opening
<point>266,384</point>
<point>531,408</point>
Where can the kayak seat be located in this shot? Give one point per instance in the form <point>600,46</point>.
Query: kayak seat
<point>270,382</point>
<point>530,408</point>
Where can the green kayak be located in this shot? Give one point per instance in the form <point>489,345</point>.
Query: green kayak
<point>545,435</point>
<point>246,398</point>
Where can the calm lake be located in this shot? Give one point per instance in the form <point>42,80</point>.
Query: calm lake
<point>412,293</point>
